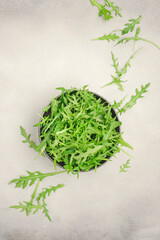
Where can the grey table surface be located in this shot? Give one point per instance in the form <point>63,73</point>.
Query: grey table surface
<point>44,45</point>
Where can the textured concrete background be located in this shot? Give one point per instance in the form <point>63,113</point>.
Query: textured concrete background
<point>46,44</point>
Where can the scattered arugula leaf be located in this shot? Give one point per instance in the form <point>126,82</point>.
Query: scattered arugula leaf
<point>129,28</point>
<point>125,166</point>
<point>42,196</point>
<point>27,137</point>
<point>131,25</point>
<point>125,144</point>
<point>114,8</point>
<point>134,98</point>
<point>29,207</point>
<point>119,73</point>
<point>24,181</point>
<point>116,105</point>
<point>111,36</point>
<point>106,9</point>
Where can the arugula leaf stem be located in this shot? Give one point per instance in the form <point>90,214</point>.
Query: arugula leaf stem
<point>126,153</point>
<point>35,191</point>
<point>127,39</point>
<point>127,63</point>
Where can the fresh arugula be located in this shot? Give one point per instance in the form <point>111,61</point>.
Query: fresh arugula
<point>131,25</point>
<point>129,28</point>
<point>125,166</point>
<point>128,39</point>
<point>120,72</point>
<point>111,36</point>
<point>106,9</point>
<point>27,139</point>
<point>24,181</point>
<point>30,207</point>
<point>134,98</point>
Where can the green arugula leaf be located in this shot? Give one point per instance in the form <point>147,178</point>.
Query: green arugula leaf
<point>111,36</point>
<point>43,194</point>
<point>119,73</point>
<point>116,105</point>
<point>125,166</point>
<point>131,25</point>
<point>24,181</point>
<point>106,9</point>
<point>27,137</point>
<point>134,98</point>
<point>48,191</point>
<point>29,206</point>
<point>114,8</point>
<point>124,143</point>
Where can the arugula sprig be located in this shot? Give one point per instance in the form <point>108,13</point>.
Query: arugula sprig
<point>24,181</point>
<point>29,206</point>
<point>132,101</point>
<point>124,167</point>
<point>120,72</point>
<point>27,139</point>
<point>106,9</point>
<point>110,37</point>
<point>129,28</point>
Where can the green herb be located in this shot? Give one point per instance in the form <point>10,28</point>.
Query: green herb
<point>29,206</point>
<point>114,8</point>
<point>127,39</point>
<point>131,25</point>
<point>27,139</point>
<point>42,196</point>
<point>125,166</point>
<point>116,105</point>
<point>24,181</point>
<point>120,72</point>
<point>106,9</point>
<point>111,36</point>
<point>134,98</point>
<point>129,28</point>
